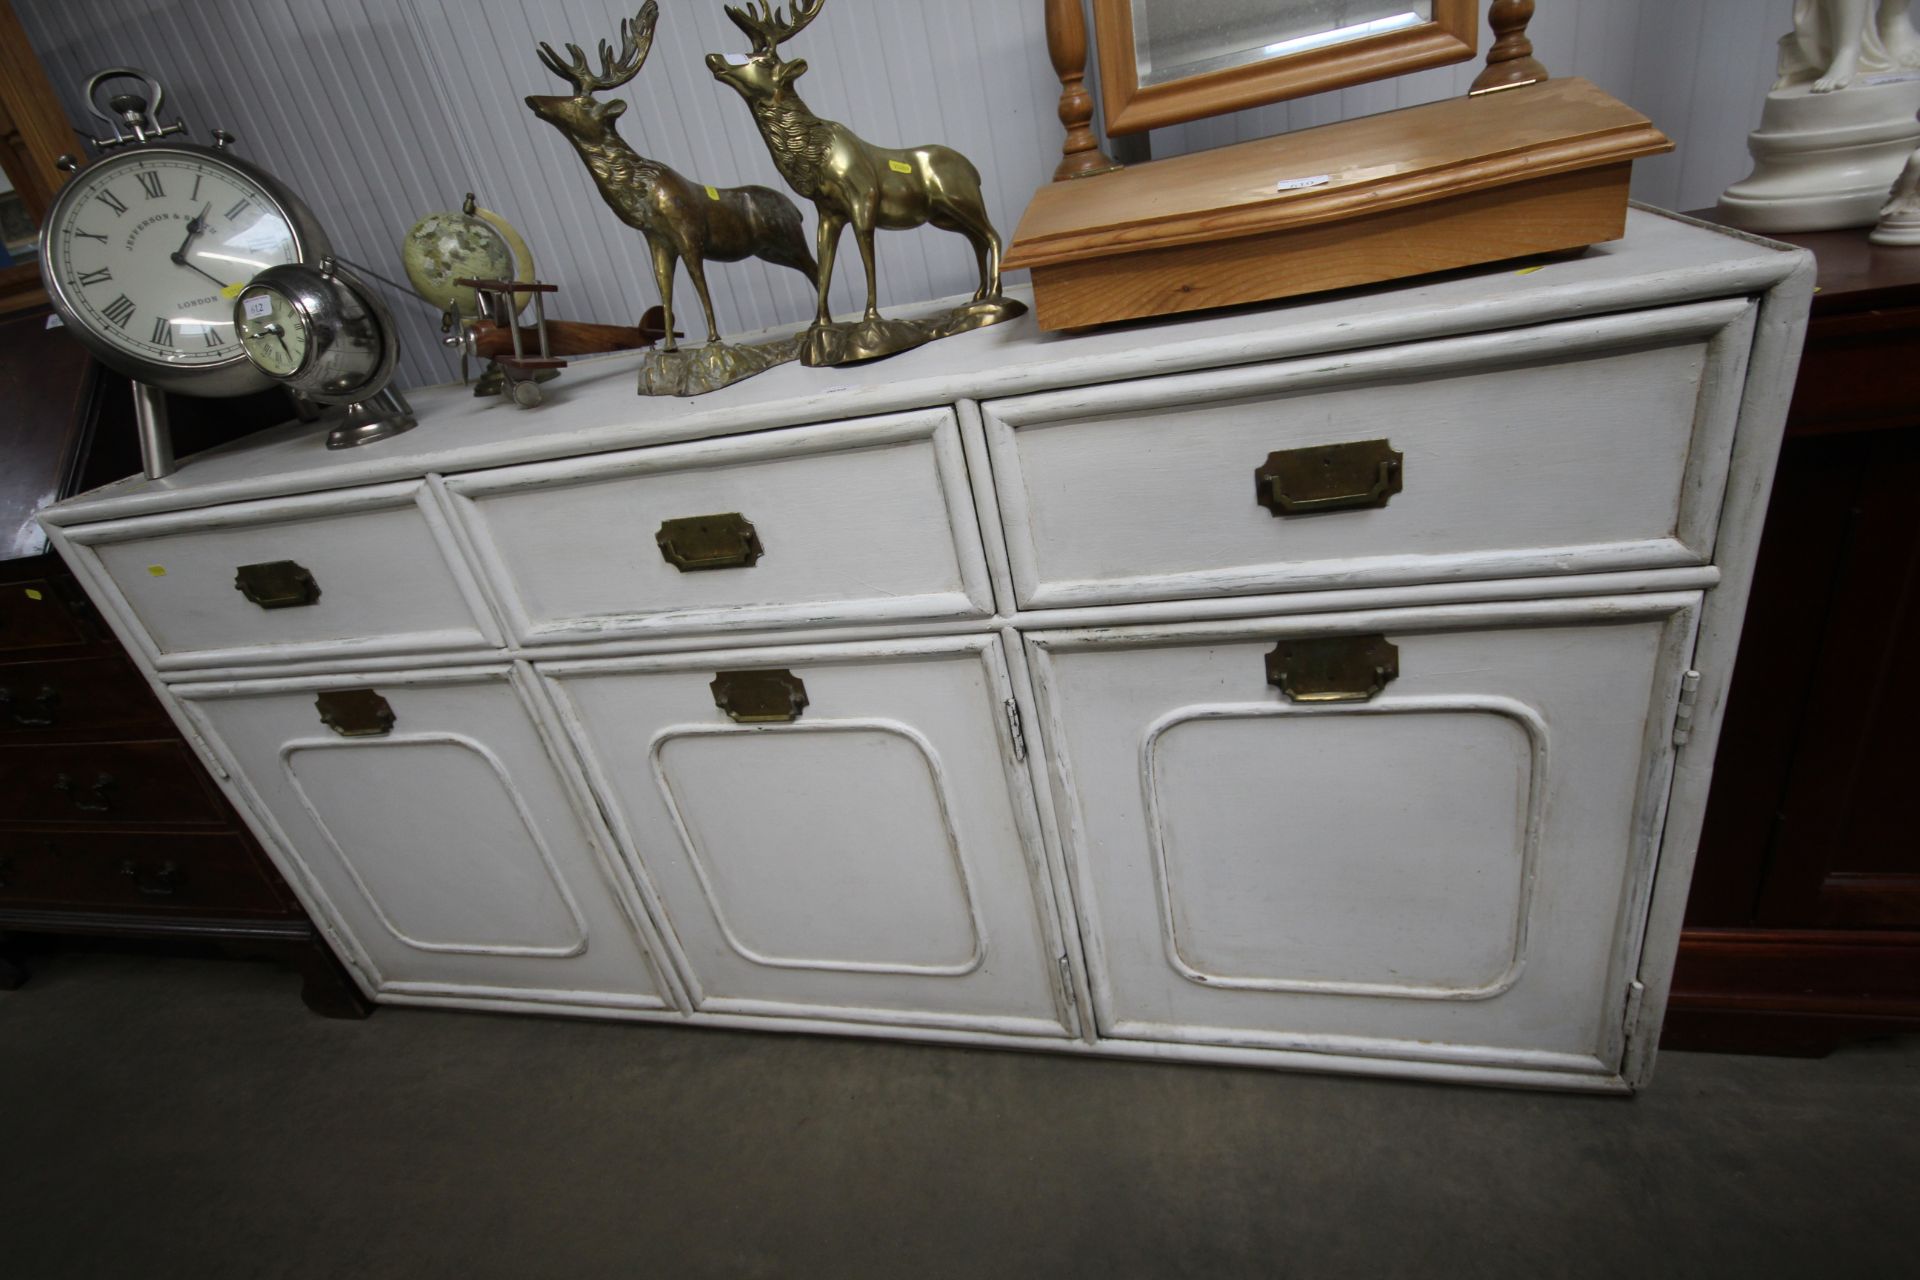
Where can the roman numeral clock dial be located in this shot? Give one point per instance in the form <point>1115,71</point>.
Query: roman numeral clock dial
<point>154,246</point>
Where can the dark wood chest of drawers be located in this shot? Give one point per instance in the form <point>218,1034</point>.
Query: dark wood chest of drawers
<point>109,824</point>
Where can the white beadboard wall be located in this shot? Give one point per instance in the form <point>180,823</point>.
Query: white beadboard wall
<point>378,111</point>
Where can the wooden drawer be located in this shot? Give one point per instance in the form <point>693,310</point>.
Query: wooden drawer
<point>34,616</point>
<point>116,871</point>
<point>1453,868</point>
<point>863,521</point>
<point>116,783</point>
<point>75,695</point>
<point>339,576</point>
<point>1591,445</point>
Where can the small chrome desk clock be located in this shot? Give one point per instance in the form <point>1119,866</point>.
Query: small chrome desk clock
<point>329,338</point>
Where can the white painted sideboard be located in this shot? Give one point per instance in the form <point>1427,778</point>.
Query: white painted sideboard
<point>1054,758</point>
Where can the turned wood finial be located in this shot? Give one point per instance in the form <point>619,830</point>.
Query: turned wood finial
<point>1510,61</point>
<point>1081,155</point>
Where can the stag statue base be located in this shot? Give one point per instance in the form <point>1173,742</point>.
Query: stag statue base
<point>694,371</point>
<point>855,343</point>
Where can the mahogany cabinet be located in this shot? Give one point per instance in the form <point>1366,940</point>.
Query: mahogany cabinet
<point>109,824</point>
<point>1803,928</point>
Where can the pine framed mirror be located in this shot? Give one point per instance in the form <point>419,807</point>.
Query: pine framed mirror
<point>1165,62</point>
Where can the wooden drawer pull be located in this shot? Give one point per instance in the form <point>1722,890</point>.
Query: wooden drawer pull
<point>163,882</point>
<point>1330,477</point>
<point>1333,668</point>
<point>725,541</point>
<point>276,584</point>
<point>31,713</point>
<point>97,798</point>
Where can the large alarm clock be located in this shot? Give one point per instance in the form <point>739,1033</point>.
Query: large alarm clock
<point>145,250</point>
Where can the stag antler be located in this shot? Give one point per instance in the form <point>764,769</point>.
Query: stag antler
<point>772,26</point>
<point>636,40</point>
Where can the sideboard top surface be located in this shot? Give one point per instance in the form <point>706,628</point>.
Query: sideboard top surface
<point>1662,259</point>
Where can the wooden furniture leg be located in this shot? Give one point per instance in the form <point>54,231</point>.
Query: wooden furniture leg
<point>1081,155</point>
<point>325,986</point>
<point>1510,61</point>
<point>13,971</point>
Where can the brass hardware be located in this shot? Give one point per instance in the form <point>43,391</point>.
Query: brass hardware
<point>1333,668</point>
<point>725,541</point>
<point>94,799</point>
<point>277,584</point>
<point>355,713</point>
<point>760,697</point>
<point>1329,477</point>
<point>163,882</point>
<point>30,713</point>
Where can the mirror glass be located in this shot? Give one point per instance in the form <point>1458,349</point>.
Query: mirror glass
<point>1175,39</point>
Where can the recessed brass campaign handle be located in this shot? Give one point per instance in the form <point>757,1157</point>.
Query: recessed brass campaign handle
<point>725,541</point>
<point>1333,668</point>
<point>277,584</point>
<point>355,713</point>
<point>1330,477</point>
<point>768,696</point>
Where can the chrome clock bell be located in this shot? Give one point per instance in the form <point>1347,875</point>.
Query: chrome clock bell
<point>329,338</point>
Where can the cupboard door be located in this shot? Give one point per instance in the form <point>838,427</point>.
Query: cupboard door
<point>864,852</point>
<point>436,832</point>
<point>1451,869</point>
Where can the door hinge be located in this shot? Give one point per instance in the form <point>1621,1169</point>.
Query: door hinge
<point>1683,714</point>
<point>1636,997</point>
<point>1019,733</point>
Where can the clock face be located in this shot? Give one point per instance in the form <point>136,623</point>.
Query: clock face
<point>150,250</point>
<point>273,330</point>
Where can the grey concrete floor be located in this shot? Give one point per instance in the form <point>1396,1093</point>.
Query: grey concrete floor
<point>166,1117</point>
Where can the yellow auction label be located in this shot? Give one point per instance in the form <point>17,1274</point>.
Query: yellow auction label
<point>232,291</point>
<point>34,595</point>
<point>712,194</point>
<point>157,570</point>
<point>899,166</point>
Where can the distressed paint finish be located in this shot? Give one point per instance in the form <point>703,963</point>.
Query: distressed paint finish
<point>1080,819</point>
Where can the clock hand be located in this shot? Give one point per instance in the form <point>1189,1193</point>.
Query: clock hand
<point>194,229</point>
<point>180,260</point>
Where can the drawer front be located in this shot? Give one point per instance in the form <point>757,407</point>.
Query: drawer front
<point>437,834</point>
<point>1592,445</point>
<point>848,837</point>
<point>335,576</point>
<point>74,695</point>
<point>188,874</point>
<point>856,522</point>
<point>33,616</point>
<point>1448,865</point>
<point>102,784</point>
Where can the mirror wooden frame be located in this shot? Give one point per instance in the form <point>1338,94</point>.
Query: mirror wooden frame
<point>1451,36</point>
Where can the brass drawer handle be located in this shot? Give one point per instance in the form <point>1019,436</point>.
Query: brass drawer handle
<point>1333,668</point>
<point>760,697</point>
<point>355,713</point>
<point>1330,477</point>
<point>97,798</point>
<point>725,541</point>
<point>163,882</point>
<point>276,584</point>
<point>30,713</point>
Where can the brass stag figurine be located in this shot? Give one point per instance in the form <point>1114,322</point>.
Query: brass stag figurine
<point>853,182</point>
<point>683,221</point>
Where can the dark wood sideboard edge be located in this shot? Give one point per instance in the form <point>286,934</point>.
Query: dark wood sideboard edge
<point>1795,992</point>
<point>325,986</point>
